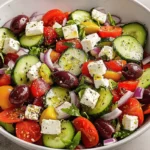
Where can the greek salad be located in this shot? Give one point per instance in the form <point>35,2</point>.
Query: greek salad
<point>73,80</point>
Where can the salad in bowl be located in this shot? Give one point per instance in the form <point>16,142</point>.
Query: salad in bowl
<point>73,80</point>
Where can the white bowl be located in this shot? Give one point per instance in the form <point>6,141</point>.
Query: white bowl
<point>128,10</point>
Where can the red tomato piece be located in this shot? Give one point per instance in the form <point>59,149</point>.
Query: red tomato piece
<point>85,70</point>
<point>12,115</point>
<point>110,31</point>
<point>28,131</point>
<point>128,85</point>
<point>146,109</point>
<point>10,56</point>
<point>39,87</point>
<point>116,95</point>
<point>115,65</point>
<point>5,79</point>
<point>38,102</point>
<point>60,47</point>
<point>50,35</point>
<point>54,56</point>
<point>133,107</point>
<point>146,66</point>
<point>89,134</point>
<point>53,16</point>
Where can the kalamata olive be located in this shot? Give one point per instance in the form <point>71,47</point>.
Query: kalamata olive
<point>65,79</point>
<point>18,24</point>
<point>132,71</point>
<point>19,95</point>
<point>146,97</point>
<point>104,128</point>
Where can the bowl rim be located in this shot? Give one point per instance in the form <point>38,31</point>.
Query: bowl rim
<point>117,144</point>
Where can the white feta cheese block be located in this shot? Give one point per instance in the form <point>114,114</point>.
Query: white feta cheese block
<point>108,52</point>
<point>130,122</point>
<point>32,112</point>
<point>33,72</point>
<point>57,25</point>
<point>34,28</point>
<point>61,114</point>
<point>89,42</point>
<point>51,126</point>
<point>90,98</point>
<point>10,46</point>
<point>99,16</point>
<point>70,32</point>
<point>99,81</point>
<point>97,68</point>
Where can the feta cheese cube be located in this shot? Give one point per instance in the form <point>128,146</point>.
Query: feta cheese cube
<point>99,16</point>
<point>97,68</point>
<point>32,112</point>
<point>34,28</point>
<point>10,46</point>
<point>108,52</point>
<point>59,111</point>
<point>99,81</point>
<point>130,122</point>
<point>70,32</point>
<point>89,42</point>
<point>33,72</point>
<point>90,98</point>
<point>57,25</point>
<point>51,127</point>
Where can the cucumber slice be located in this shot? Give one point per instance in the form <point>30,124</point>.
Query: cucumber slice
<point>128,48</point>
<point>8,127</point>
<point>22,66</point>
<point>103,103</point>
<point>63,139</point>
<point>6,33</point>
<point>136,30</point>
<point>144,80</point>
<point>72,60</point>
<point>30,41</point>
<point>80,16</point>
<point>56,96</point>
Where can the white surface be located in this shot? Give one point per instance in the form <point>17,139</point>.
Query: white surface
<point>141,143</point>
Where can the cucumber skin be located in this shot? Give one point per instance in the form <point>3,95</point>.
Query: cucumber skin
<point>60,144</point>
<point>146,30</point>
<point>38,44</point>
<point>128,60</point>
<point>104,111</point>
<point>12,73</point>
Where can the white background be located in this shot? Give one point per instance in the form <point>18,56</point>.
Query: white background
<point>141,143</point>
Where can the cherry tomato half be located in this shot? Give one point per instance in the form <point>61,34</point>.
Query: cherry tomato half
<point>5,79</point>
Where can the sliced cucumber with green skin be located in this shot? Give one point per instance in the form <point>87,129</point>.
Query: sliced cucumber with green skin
<point>30,41</point>
<point>103,104</point>
<point>72,59</point>
<point>8,127</point>
<point>56,96</point>
<point>80,16</point>
<point>6,33</point>
<point>136,30</point>
<point>128,48</point>
<point>144,80</point>
<point>22,66</point>
<point>63,139</point>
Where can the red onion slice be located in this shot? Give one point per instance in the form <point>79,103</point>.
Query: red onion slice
<point>146,60</point>
<point>2,70</point>
<point>74,99</point>
<point>120,24</point>
<point>110,141</point>
<point>11,64</point>
<point>95,51</point>
<point>112,115</point>
<point>22,52</point>
<point>117,19</point>
<point>125,98</point>
<point>34,14</point>
<point>37,17</point>
<point>7,24</point>
<point>64,22</point>
<point>101,9</point>
<point>138,93</point>
<point>106,24</point>
<point>42,57</point>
